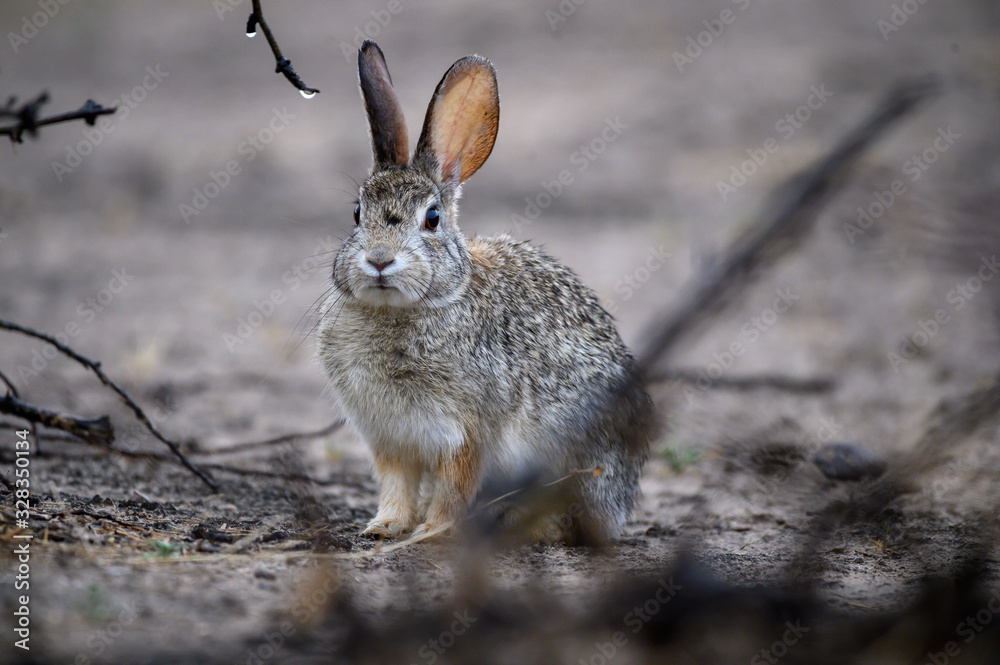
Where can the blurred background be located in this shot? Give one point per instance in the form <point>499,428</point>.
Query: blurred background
<point>185,240</point>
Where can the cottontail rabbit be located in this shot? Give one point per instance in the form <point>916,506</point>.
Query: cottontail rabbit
<point>458,359</point>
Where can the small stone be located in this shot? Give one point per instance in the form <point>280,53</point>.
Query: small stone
<point>849,461</point>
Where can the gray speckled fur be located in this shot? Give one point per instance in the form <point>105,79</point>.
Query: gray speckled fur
<point>489,338</point>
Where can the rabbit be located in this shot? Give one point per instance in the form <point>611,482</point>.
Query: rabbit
<point>461,359</point>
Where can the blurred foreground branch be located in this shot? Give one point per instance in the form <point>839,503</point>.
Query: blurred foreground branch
<point>787,219</point>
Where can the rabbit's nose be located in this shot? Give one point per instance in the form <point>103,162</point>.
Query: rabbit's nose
<point>380,258</point>
<point>382,266</point>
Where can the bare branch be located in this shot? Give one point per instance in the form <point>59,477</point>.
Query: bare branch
<point>278,440</point>
<point>27,120</point>
<point>95,367</point>
<point>221,468</point>
<point>283,64</point>
<point>787,219</point>
<point>742,383</point>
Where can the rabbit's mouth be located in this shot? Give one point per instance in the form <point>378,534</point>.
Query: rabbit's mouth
<point>382,291</point>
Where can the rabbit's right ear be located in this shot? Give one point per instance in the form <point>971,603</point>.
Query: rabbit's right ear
<point>390,144</point>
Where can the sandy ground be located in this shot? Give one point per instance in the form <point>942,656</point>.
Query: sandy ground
<point>206,318</point>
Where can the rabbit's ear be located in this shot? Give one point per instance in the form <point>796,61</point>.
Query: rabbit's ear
<point>462,122</point>
<point>390,145</point>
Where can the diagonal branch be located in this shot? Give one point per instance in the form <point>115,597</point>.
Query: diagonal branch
<point>787,220</point>
<point>27,120</point>
<point>136,409</point>
<point>283,64</point>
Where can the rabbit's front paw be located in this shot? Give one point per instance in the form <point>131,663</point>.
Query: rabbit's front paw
<point>386,528</point>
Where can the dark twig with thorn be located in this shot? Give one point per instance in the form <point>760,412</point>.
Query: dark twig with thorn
<point>136,409</point>
<point>283,64</point>
<point>26,117</point>
<point>786,221</point>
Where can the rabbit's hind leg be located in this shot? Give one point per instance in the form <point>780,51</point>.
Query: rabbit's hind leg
<point>455,479</point>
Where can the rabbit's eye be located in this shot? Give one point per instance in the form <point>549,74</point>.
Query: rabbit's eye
<point>432,219</point>
<point>357,214</point>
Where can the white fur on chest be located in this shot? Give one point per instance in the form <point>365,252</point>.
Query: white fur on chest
<point>397,408</point>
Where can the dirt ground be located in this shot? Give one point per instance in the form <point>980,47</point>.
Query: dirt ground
<point>186,247</point>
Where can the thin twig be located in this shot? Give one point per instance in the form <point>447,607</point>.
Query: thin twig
<point>283,65</point>
<point>285,438</point>
<point>594,471</point>
<point>222,468</point>
<point>97,430</point>
<point>10,386</point>
<point>27,119</point>
<point>741,383</point>
<point>136,409</point>
<point>793,209</point>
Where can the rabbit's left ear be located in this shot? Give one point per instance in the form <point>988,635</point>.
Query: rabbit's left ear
<point>461,123</point>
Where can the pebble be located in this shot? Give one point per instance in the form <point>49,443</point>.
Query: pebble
<point>849,461</point>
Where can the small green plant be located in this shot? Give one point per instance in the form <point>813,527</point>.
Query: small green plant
<point>164,548</point>
<point>680,457</point>
<point>95,605</point>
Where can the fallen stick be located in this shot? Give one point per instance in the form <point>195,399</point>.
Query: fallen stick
<point>94,430</point>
